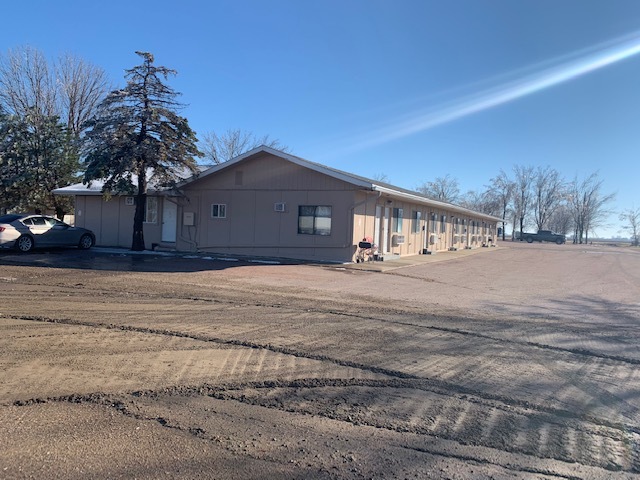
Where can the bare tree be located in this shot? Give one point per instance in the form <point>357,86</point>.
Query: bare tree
<point>230,144</point>
<point>381,177</point>
<point>522,195</point>
<point>548,193</point>
<point>445,189</point>
<point>501,191</point>
<point>27,86</point>
<point>82,86</point>
<point>588,205</point>
<point>31,88</point>
<point>561,220</point>
<point>479,201</point>
<point>631,217</point>
<point>45,109</point>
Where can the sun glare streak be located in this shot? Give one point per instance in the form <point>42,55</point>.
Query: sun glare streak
<point>582,63</point>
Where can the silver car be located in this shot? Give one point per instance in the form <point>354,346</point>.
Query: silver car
<point>26,232</point>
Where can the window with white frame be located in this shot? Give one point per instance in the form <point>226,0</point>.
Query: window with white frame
<point>218,210</point>
<point>151,210</point>
<point>314,219</point>
<point>443,223</point>
<point>434,219</point>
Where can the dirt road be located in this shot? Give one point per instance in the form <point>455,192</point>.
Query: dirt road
<point>515,362</point>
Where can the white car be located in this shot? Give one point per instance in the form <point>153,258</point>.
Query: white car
<point>26,232</point>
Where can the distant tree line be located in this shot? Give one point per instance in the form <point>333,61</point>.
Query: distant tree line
<point>538,198</point>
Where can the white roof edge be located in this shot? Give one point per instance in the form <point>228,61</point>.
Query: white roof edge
<point>94,190</point>
<point>434,203</point>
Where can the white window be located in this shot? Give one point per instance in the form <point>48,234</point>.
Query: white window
<point>218,210</point>
<point>151,210</point>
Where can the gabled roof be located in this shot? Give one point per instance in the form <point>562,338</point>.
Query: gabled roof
<point>387,189</point>
<point>356,180</point>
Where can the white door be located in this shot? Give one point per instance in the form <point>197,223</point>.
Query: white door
<point>169,221</point>
<point>376,226</point>
<point>385,231</point>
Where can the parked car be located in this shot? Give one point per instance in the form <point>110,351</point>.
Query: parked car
<point>26,232</point>
<point>542,236</point>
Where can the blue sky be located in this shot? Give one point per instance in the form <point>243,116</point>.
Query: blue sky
<point>364,85</point>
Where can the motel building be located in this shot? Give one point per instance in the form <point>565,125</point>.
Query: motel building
<point>272,204</point>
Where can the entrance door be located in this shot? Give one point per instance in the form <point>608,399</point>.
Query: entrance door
<point>169,221</point>
<point>376,226</point>
<point>385,231</point>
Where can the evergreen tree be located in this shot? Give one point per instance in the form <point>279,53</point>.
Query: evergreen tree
<point>137,138</point>
<point>37,155</point>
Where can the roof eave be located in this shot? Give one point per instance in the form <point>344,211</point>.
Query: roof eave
<point>434,203</point>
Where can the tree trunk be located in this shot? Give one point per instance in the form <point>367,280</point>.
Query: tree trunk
<point>137,243</point>
<point>60,213</point>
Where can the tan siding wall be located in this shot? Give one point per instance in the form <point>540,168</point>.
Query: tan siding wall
<point>433,240</point>
<point>250,189</point>
<point>253,227</point>
<point>112,221</point>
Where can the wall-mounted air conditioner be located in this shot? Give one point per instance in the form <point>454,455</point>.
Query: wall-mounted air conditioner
<point>398,240</point>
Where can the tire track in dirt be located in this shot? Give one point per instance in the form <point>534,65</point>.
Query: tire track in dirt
<point>442,385</point>
<point>387,318</point>
<point>217,340</point>
<point>462,418</point>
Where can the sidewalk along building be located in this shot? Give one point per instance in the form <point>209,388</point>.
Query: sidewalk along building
<point>270,203</point>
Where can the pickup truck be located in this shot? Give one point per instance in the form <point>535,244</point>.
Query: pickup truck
<point>541,236</point>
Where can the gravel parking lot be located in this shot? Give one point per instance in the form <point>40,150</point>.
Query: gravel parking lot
<point>520,361</point>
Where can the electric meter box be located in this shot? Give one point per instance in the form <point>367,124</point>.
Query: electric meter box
<point>188,219</point>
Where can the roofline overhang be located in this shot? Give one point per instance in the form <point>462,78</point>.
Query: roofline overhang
<point>434,203</point>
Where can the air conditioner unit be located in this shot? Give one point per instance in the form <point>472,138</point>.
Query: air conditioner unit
<point>432,239</point>
<point>398,240</point>
<point>279,207</point>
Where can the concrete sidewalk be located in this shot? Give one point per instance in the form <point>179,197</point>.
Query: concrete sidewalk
<point>413,260</point>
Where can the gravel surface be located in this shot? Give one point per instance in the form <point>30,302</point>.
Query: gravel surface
<point>520,361</point>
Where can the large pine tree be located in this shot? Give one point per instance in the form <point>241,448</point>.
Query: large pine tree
<point>137,138</point>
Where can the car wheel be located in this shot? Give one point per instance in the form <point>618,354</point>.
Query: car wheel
<point>559,241</point>
<point>24,243</point>
<point>529,240</point>
<point>86,242</point>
